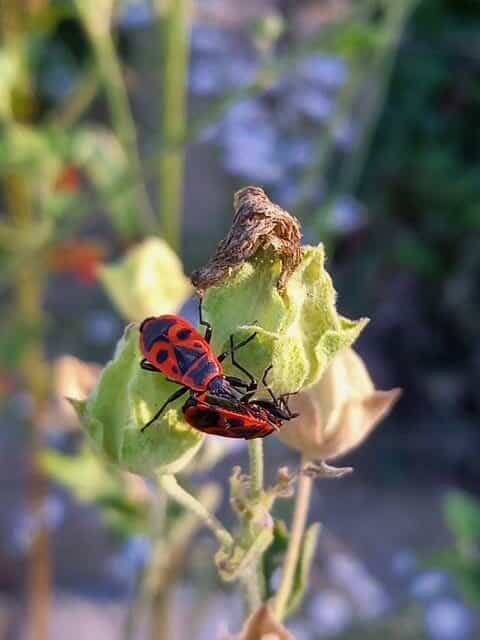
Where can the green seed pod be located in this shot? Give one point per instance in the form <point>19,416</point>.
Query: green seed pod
<point>125,398</point>
<point>148,281</point>
<point>298,332</point>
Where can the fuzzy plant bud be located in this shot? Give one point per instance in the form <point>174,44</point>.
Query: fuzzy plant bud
<point>125,398</point>
<point>147,281</point>
<point>298,331</point>
<point>274,288</point>
<point>339,412</point>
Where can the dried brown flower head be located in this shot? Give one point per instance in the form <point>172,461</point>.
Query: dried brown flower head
<point>261,625</point>
<point>258,223</point>
<point>338,412</point>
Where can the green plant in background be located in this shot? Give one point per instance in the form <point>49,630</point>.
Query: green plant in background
<point>420,185</point>
<point>40,143</point>
<point>300,333</point>
<point>462,559</point>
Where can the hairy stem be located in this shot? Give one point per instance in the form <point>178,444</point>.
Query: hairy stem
<point>302,503</point>
<point>170,485</point>
<point>253,582</point>
<point>255,453</point>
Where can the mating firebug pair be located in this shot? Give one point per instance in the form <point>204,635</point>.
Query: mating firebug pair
<point>218,404</point>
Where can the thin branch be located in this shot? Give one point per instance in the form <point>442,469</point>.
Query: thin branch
<point>299,520</point>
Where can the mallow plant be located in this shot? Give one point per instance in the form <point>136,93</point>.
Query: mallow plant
<point>282,292</point>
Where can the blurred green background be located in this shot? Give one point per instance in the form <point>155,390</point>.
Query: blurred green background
<point>122,120</point>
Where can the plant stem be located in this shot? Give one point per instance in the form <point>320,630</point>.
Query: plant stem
<point>170,485</point>
<point>299,520</point>
<point>122,119</point>
<point>28,302</point>
<point>253,582</point>
<point>380,72</point>
<point>255,453</point>
<point>35,374</point>
<point>174,31</point>
<point>251,589</point>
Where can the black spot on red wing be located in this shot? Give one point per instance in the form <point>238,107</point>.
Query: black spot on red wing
<point>207,418</point>
<point>197,345</point>
<point>175,369</point>
<point>162,355</point>
<point>156,330</point>
<point>203,370</point>
<point>183,334</point>
<point>186,357</point>
<point>236,423</point>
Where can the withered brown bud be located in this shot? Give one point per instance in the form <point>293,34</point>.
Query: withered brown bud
<point>257,224</point>
<point>261,625</point>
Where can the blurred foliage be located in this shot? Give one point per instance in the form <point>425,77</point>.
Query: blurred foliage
<point>422,170</point>
<point>462,559</point>
<point>404,625</point>
<point>420,185</point>
<point>422,195</point>
<point>92,481</point>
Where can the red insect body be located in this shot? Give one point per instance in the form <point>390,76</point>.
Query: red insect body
<point>174,347</point>
<point>229,419</point>
<point>218,404</point>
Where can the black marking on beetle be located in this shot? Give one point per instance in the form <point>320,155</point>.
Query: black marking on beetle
<point>183,334</point>
<point>174,369</point>
<point>236,423</point>
<point>156,331</point>
<point>203,369</point>
<point>197,345</point>
<point>207,418</point>
<point>144,323</point>
<point>162,355</point>
<point>186,357</point>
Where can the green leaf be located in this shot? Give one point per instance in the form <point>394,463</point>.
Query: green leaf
<point>298,333</point>
<point>125,398</point>
<point>462,513</point>
<point>148,280</point>
<point>464,567</point>
<point>272,557</point>
<point>302,571</point>
<point>102,158</point>
<point>83,473</point>
<point>92,480</point>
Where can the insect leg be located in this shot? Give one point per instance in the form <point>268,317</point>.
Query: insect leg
<point>147,366</point>
<point>204,323</point>
<point>267,386</point>
<point>178,394</point>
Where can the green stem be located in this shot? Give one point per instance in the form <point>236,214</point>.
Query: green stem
<point>122,119</point>
<point>170,485</point>
<point>255,453</point>
<point>28,300</point>
<point>381,71</point>
<point>299,520</point>
<point>251,589</point>
<point>253,582</point>
<point>174,32</point>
